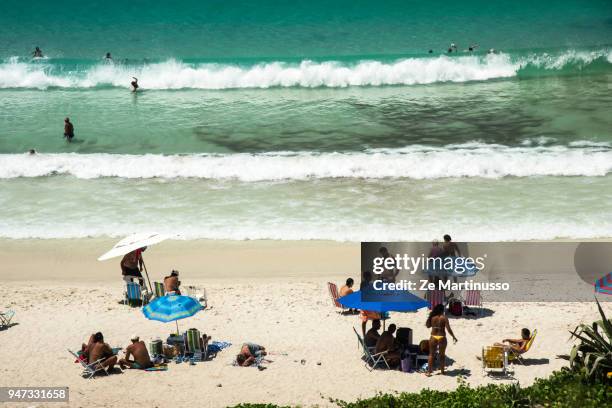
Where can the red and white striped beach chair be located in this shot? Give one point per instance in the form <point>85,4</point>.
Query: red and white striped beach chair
<point>435,297</point>
<point>473,298</point>
<point>333,292</point>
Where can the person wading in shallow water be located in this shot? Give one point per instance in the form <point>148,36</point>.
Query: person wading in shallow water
<point>68,130</point>
<point>134,84</point>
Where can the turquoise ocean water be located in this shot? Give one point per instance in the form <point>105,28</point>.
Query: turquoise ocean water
<point>307,120</point>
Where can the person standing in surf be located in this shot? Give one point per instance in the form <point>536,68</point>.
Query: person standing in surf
<point>134,84</point>
<point>68,130</point>
<point>37,53</point>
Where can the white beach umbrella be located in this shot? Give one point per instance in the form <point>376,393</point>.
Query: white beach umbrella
<point>132,242</point>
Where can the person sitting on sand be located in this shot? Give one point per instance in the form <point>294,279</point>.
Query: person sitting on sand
<point>437,342</point>
<point>98,349</point>
<point>172,283</point>
<point>372,336</point>
<point>68,130</point>
<point>249,353</point>
<point>138,350</point>
<point>517,345</point>
<point>134,84</point>
<point>386,342</point>
<point>132,264</point>
<point>347,289</point>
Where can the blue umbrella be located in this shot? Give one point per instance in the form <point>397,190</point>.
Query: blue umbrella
<point>386,301</point>
<point>171,308</point>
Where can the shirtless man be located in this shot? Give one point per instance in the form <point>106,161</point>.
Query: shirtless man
<point>68,130</point>
<point>37,53</point>
<point>372,336</point>
<point>134,84</point>
<point>437,342</point>
<point>98,349</point>
<point>386,342</point>
<point>171,283</point>
<point>132,264</point>
<point>347,289</point>
<point>450,248</point>
<point>249,353</point>
<point>518,345</point>
<point>138,350</point>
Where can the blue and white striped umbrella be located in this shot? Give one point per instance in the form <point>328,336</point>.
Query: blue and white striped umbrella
<point>171,308</point>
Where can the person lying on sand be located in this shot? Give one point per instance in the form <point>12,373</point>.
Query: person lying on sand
<point>386,342</point>
<point>372,336</point>
<point>172,283</point>
<point>518,345</point>
<point>138,350</point>
<point>249,353</point>
<point>98,349</point>
<point>437,342</point>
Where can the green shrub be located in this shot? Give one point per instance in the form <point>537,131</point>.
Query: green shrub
<point>593,355</point>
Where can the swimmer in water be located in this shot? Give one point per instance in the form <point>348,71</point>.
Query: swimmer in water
<point>452,48</point>
<point>37,53</point>
<point>108,56</point>
<point>134,84</point>
<point>472,47</point>
<point>68,130</point>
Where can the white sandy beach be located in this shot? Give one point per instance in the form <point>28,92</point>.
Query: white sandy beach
<point>271,293</point>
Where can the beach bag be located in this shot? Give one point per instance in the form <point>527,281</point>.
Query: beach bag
<point>156,347</point>
<point>455,308</point>
<point>406,363</point>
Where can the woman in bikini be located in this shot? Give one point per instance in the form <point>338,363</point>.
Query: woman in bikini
<point>439,325</point>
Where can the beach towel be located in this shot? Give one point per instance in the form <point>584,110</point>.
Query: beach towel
<point>217,346</point>
<point>158,367</point>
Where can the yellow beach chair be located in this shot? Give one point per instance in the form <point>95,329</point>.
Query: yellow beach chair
<point>516,356</point>
<point>494,358</point>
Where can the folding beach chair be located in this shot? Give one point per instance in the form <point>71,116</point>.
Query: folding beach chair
<point>6,317</point>
<point>159,289</point>
<point>494,358</point>
<point>516,356</point>
<point>89,369</point>
<point>333,293</point>
<point>197,293</point>
<point>473,298</point>
<point>134,295</point>
<point>372,359</point>
<point>196,344</point>
<point>435,297</point>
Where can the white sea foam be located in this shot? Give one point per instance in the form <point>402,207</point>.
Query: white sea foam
<point>415,162</point>
<point>173,74</point>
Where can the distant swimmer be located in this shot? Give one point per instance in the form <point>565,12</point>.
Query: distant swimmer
<point>452,48</point>
<point>472,47</point>
<point>134,84</point>
<point>32,152</point>
<point>491,51</point>
<point>430,51</point>
<point>68,130</point>
<point>108,56</point>
<point>37,53</point>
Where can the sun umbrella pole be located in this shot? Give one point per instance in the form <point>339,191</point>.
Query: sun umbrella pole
<point>177,329</point>
<point>147,273</point>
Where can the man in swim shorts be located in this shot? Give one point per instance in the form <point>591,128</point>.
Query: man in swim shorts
<point>68,130</point>
<point>132,264</point>
<point>138,350</point>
